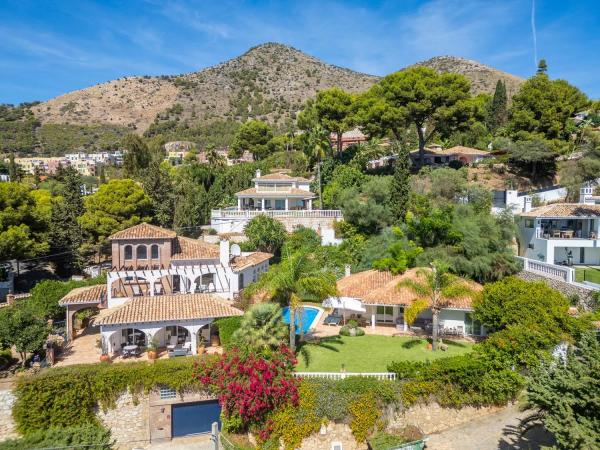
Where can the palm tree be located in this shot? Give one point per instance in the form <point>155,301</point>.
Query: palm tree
<point>435,288</point>
<point>297,278</point>
<point>213,157</point>
<point>319,147</point>
<point>262,327</point>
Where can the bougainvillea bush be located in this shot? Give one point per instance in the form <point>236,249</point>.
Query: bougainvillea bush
<point>250,386</point>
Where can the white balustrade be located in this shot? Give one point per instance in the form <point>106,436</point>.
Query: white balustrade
<point>548,270</point>
<point>343,375</point>
<point>291,213</point>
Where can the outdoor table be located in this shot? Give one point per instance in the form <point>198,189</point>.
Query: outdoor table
<point>130,348</point>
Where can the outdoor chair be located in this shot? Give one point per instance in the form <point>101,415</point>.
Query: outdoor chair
<point>172,343</point>
<point>178,352</point>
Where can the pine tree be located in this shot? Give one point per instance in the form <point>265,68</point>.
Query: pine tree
<point>102,175</point>
<point>499,107</point>
<point>65,235</point>
<point>542,67</point>
<point>401,184</point>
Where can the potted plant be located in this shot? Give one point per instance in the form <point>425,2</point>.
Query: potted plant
<point>201,349</point>
<point>215,341</point>
<point>152,349</point>
<point>104,356</point>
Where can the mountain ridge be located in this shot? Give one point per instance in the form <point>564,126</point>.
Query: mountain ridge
<point>269,81</point>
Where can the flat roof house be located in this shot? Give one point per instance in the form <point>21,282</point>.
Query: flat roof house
<point>165,288</point>
<point>435,155</point>
<point>384,303</point>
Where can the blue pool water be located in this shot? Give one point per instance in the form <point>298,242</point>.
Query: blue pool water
<point>306,313</point>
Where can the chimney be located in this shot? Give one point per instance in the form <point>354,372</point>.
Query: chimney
<point>10,298</point>
<point>347,272</point>
<point>527,203</point>
<point>257,173</point>
<point>224,252</point>
<point>585,193</point>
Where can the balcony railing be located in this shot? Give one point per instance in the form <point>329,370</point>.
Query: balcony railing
<point>548,270</point>
<point>565,234</point>
<point>281,213</point>
<point>343,375</point>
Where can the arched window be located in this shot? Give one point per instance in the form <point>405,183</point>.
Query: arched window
<point>142,252</point>
<point>128,252</point>
<point>154,251</point>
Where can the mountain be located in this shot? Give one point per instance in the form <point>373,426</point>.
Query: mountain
<point>270,81</point>
<point>483,78</point>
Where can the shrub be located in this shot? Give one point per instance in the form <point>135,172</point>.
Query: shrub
<point>364,413</point>
<point>385,441</point>
<point>91,436</point>
<point>68,396</point>
<point>348,330</point>
<point>228,326</point>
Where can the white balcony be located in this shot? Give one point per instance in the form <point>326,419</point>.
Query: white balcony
<point>277,213</point>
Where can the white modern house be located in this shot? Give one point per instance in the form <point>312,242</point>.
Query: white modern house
<point>562,233</point>
<point>165,288</point>
<point>283,197</point>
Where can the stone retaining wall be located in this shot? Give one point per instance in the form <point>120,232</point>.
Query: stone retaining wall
<point>7,424</point>
<point>128,421</point>
<point>567,289</point>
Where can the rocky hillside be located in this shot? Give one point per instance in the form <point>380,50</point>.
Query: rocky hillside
<point>483,78</point>
<point>270,82</point>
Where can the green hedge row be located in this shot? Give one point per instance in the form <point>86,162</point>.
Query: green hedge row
<point>68,396</point>
<point>86,436</point>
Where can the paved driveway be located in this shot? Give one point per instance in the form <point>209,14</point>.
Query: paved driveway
<point>492,432</point>
<point>201,442</point>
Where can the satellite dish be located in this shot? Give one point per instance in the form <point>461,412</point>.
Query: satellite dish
<point>235,250</point>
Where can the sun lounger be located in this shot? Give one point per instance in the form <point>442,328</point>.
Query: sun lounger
<point>332,320</point>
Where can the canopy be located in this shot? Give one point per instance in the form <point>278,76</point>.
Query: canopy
<point>345,303</point>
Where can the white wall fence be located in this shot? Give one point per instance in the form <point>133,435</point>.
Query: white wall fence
<point>343,375</point>
<point>302,214</point>
<point>561,273</point>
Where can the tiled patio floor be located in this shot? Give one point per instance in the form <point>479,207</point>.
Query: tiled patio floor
<point>83,350</point>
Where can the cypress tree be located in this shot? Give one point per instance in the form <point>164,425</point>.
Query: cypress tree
<point>401,184</point>
<point>499,107</point>
<point>13,171</point>
<point>65,235</point>
<point>542,67</point>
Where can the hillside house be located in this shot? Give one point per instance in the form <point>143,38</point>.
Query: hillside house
<point>436,156</point>
<point>165,288</point>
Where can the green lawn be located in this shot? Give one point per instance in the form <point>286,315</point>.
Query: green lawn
<point>370,353</point>
<point>587,274</point>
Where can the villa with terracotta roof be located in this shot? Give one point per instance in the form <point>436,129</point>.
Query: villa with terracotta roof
<point>165,288</point>
<point>281,196</point>
<point>435,155</point>
<point>384,302</point>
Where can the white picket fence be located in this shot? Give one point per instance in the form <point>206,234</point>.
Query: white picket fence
<point>343,375</point>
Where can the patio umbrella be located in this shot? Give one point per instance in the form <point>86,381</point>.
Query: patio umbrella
<point>345,304</point>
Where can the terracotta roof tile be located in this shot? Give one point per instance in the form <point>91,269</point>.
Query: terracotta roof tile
<point>293,192</point>
<point>187,248</point>
<point>564,210</point>
<point>381,288</point>
<point>144,231</point>
<point>280,177</point>
<point>164,308</point>
<point>252,259</point>
<point>84,295</point>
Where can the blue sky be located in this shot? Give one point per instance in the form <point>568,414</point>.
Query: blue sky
<point>51,47</point>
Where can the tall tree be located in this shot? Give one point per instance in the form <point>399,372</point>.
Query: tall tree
<point>334,112</point>
<point>295,279</point>
<point>544,108</point>
<point>137,155</point>
<point>159,187</point>
<point>542,67</point>
<point>498,107</point>
<point>319,147</point>
<point>265,234</point>
<point>190,207</point>
<point>21,329</point>
<point>566,393</point>
<point>13,170</point>
<point>430,101</point>
<point>437,286</point>
<point>65,234</point>
<point>253,136</point>
<point>116,205</point>
<point>401,184</point>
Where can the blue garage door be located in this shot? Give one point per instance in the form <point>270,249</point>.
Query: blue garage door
<point>193,418</point>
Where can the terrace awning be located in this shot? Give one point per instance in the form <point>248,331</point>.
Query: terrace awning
<point>345,303</point>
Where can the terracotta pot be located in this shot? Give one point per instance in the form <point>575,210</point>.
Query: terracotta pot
<point>104,358</point>
<point>201,350</point>
<point>215,341</point>
<point>152,354</point>
<point>429,347</point>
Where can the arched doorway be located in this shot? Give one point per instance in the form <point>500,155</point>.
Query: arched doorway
<point>176,335</point>
<point>205,283</point>
<point>133,336</point>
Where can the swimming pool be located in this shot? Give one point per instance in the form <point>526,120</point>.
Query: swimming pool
<point>308,314</point>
